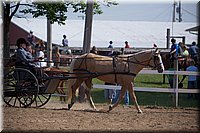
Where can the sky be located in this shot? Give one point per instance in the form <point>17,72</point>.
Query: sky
<point>144,11</point>
<point>139,10</point>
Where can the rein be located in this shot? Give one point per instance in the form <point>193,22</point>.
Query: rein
<point>96,74</point>
<point>114,64</point>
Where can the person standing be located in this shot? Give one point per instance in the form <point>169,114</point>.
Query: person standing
<point>126,97</point>
<point>192,79</point>
<point>175,50</point>
<point>194,52</point>
<point>65,41</point>
<point>31,38</point>
<point>171,77</point>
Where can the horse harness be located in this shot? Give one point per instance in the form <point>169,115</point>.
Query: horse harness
<point>115,61</point>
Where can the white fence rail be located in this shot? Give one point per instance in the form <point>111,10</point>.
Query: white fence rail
<point>169,90</point>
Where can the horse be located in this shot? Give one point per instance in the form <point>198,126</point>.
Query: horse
<point>118,70</point>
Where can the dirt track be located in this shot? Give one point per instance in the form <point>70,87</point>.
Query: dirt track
<point>55,117</point>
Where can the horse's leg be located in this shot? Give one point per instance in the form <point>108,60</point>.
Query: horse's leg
<point>88,92</point>
<point>69,84</point>
<point>73,93</point>
<point>61,91</point>
<point>121,97</point>
<point>132,93</point>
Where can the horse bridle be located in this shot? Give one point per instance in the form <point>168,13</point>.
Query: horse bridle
<point>155,55</point>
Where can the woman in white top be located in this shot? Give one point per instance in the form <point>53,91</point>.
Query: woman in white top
<point>40,56</point>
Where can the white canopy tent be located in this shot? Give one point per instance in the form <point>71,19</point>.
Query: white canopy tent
<point>139,34</point>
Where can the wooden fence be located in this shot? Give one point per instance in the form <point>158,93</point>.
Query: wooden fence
<point>175,90</point>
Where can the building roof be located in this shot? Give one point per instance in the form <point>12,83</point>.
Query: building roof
<point>139,34</point>
<point>193,28</point>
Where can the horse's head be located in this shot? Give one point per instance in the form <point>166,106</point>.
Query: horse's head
<point>156,61</point>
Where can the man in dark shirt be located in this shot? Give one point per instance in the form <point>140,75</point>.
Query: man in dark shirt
<point>23,57</point>
<point>194,50</point>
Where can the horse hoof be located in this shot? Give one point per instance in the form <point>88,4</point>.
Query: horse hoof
<point>140,112</point>
<point>69,106</point>
<point>110,108</point>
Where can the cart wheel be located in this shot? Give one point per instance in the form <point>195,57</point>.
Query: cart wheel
<point>20,88</point>
<point>42,98</point>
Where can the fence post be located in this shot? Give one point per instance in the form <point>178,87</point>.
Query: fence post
<point>57,57</point>
<point>175,82</point>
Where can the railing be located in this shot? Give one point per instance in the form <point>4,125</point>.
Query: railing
<point>175,90</point>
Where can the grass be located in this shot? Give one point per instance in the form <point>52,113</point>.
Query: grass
<point>150,98</point>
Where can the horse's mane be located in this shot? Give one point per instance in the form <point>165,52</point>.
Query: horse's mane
<point>137,53</point>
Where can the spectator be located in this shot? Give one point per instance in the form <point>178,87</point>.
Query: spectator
<point>185,52</point>
<point>194,52</point>
<point>94,50</point>
<point>155,46</point>
<point>40,55</point>
<point>126,97</point>
<point>109,94</point>
<point>31,38</point>
<point>127,44</point>
<point>171,77</point>
<point>192,79</point>
<point>29,49</point>
<point>110,53</point>
<point>175,50</point>
<point>110,44</point>
<point>65,41</point>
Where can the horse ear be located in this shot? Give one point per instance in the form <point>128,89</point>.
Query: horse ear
<point>156,50</point>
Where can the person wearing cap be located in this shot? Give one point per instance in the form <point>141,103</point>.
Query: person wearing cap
<point>31,38</point>
<point>110,44</point>
<point>23,57</point>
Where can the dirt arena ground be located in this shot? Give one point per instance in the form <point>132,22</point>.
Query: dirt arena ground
<point>56,117</point>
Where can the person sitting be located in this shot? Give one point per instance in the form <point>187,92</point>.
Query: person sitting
<point>110,44</point>
<point>127,45</point>
<point>40,55</point>
<point>65,41</point>
<point>94,50</point>
<point>23,57</point>
<point>31,38</point>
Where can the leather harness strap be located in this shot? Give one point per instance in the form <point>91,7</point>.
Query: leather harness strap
<point>115,67</point>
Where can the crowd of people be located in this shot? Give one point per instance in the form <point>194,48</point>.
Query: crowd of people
<point>189,62</point>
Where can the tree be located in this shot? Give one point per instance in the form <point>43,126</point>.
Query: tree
<point>54,11</point>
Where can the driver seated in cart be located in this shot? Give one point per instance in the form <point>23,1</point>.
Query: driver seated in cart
<point>24,58</point>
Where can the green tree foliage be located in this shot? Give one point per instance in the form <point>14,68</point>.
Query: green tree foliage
<point>54,11</point>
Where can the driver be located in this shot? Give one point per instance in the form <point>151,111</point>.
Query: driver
<point>23,57</point>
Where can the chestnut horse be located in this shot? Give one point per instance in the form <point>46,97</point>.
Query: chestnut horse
<point>119,70</point>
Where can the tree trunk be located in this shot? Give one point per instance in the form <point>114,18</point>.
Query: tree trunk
<point>6,28</point>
